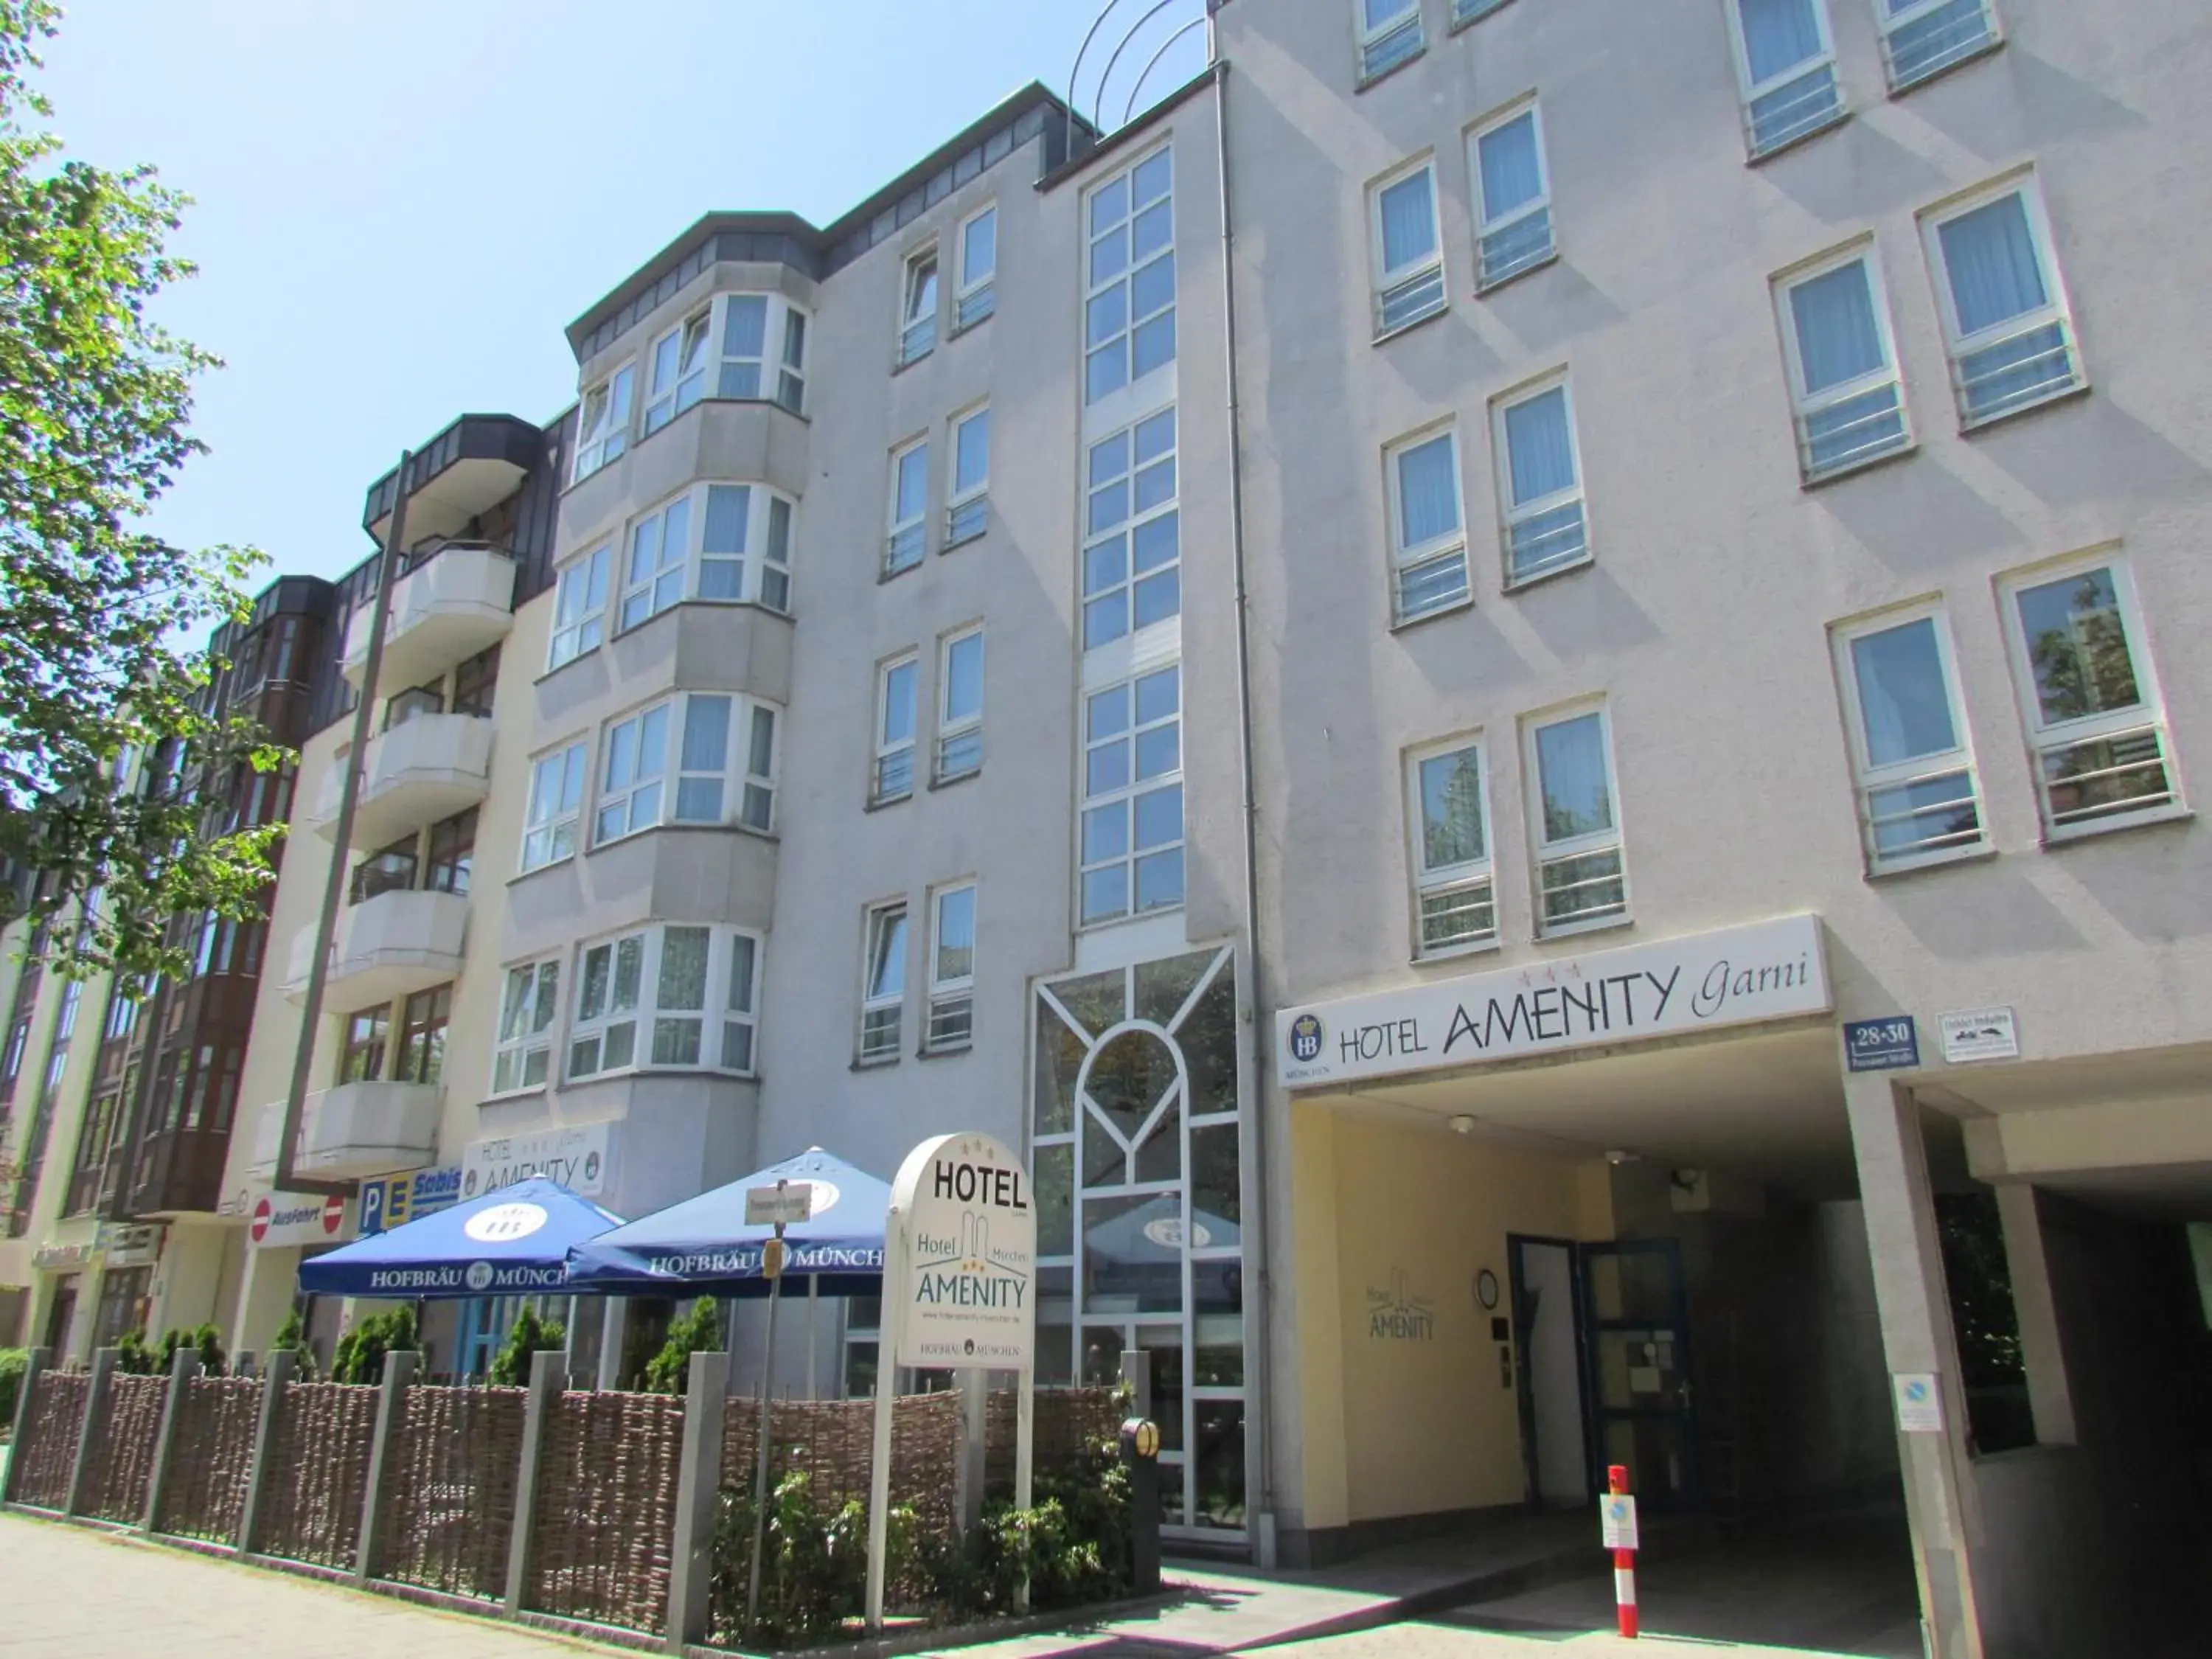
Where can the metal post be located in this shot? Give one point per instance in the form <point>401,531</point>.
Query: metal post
<point>1623,1559</point>
<point>890,1334</point>
<point>311,1011</point>
<point>183,1368</point>
<point>276,1377</point>
<point>699,1478</point>
<point>974,1428</point>
<point>35,1367</point>
<point>813,1340</point>
<point>95,1413</point>
<point>772,1263</point>
<point>1141,1453</point>
<point>549,1375</point>
<point>1024,1462</point>
<point>398,1373</point>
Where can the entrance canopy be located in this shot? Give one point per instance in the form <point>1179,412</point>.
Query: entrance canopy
<point>514,1242</point>
<point>702,1246</point>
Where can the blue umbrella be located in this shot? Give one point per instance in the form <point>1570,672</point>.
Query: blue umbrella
<point>702,1246</point>
<point>514,1242</point>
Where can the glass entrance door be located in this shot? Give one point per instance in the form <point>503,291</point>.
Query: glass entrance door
<point>1639,1369</point>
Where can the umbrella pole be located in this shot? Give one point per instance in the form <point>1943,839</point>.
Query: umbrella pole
<point>813,1343</point>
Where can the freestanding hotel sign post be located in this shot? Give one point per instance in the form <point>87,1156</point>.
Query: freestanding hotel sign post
<point>960,1294</point>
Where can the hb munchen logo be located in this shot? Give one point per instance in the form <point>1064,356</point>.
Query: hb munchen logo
<point>1306,1037</point>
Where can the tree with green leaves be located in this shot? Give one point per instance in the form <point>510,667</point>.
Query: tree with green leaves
<point>528,1335</point>
<point>99,617</point>
<point>700,1331</point>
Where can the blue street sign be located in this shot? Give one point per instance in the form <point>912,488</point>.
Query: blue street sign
<point>1881,1045</point>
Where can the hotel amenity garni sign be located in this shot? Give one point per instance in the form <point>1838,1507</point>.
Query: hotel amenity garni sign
<point>1737,976</point>
<point>966,1293</point>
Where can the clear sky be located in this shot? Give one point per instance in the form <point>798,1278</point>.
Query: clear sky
<point>401,204</point>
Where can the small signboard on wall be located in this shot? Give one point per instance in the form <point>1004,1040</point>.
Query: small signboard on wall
<point>1891,1044</point>
<point>1979,1034</point>
<point>1919,1402</point>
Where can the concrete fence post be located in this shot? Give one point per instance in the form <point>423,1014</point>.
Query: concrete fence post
<point>35,1367</point>
<point>391,1401</point>
<point>95,1419</point>
<point>975,1427</point>
<point>276,1376</point>
<point>699,1479</point>
<point>183,1366</point>
<point>549,1375</point>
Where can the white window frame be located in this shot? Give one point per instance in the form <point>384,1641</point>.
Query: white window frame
<point>777,373</point>
<point>1752,92</point>
<point>1125,796</point>
<point>642,801</point>
<point>1869,779</point>
<point>891,776</point>
<point>580,623</point>
<point>645,1017</point>
<point>665,585</point>
<point>1489,227</point>
<point>976,298</point>
<point>1409,557</point>
<point>1513,515</point>
<point>741,999</point>
<point>951,995</point>
<point>882,1013</point>
<point>1547,852</point>
<point>2056,310</point>
<point>791,374</point>
<point>1121,340</point>
<point>1892,18</point>
<point>906,535</point>
<point>2050,741</point>
<point>679,574</point>
<point>1376,45</point>
<point>689,374</point>
<point>1465,888</point>
<point>967,505</point>
<point>756,794</point>
<point>917,323</point>
<point>542,819</point>
<point>1808,406</point>
<point>600,442</point>
<point>539,1007</point>
<point>1135,521</point>
<point>959,735</point>
<point>1424,283</point>
<point>744,793</point>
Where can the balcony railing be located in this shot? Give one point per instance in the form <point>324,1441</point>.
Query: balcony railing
<point>443,611</point>
<point>415,774</point>
<point>1921,46</point>
<point>388,946</point>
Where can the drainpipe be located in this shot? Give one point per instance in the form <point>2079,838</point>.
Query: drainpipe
<point>1255,1215</point>
<point>311,1013</point>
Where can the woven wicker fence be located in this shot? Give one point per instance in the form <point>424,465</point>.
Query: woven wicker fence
<point>211,1459</point>
<point>1066,1424</point>
<point>47,1452</point>
<point>606,1509</point>
<point>450,1483</point>
<point>319,1472</point>
<point>123,1459</point>
<point>832,1442</point>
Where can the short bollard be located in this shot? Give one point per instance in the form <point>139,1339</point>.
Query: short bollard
<point>1617,1510</point>
<point>1141,1452</point>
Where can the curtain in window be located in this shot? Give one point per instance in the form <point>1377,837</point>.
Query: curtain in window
<point>1511,173</point>
<point>1570,762</point>
<point>1409,222</point>
<point>1778,35</point>
<point>1837,338</point>
<point>1539,448</point>
<point>706,748</point>
<point>1990,256</point>
<point>1427,495</point>
<point>1902,697</point>
<point>726,508</point>
<point>1379,12</point>
<point>683,970</point>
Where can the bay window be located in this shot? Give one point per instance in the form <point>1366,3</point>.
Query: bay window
<point>653,578</point>
<point>631,776</point>
<point>749,323</point>
<point>556,796</point>
<point>580,607</point>
<point>673,996</point>
<point>727,544</point>
<point>603,422</point>
<point>523,1058</point>
<point>724,766</point>
<point>677,370</point>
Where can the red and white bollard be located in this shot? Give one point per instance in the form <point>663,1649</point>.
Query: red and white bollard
<point>1620,1537</point>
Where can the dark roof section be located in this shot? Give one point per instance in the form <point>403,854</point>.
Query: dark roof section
<point>770,237</point>
<point>502,437</point>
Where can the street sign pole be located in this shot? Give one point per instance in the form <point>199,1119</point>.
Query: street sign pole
<point>780,1204</point>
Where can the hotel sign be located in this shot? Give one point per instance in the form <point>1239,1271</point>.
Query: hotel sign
<point>1738,976</point>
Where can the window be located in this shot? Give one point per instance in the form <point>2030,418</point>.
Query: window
<point>749,322</point>
<point>883,989</point>
<point>979,266</point>
<point>690,972</point>
<point>1132,553</point>
<point>452,850</point>
<point>2004,308</point>
<point>362,1058</point>
<point>960,707</point>
<point>1579,876</point>
<point>526,1007</point>
<point>94,1140</point>
<point>775,556</point>
<point>1540,483</point>
<point>1428,536</point>
<point>1843,367</point>
<point>708,758</point>
<point>414,703</point>
<point>1917,799</point>
<point>1408,251</point>
<point>122,1015</point>
<point>1921,38</point>
<point>909,539</point>
<point>1389,34</point>
<point>388,869</point>
<point>1467,11</point>
<point>741,1004</point>
<point>1132,830</point>
<point>556,796</point>
<point>475,684</point>
<point>654,579</point>
<point>918,319</point>
<point>1513,197</point>
<point>608,980</point>
<point>2094,723</point>
<point>680,996</point>
<point>603,424</point>
<point>951,969</point>
<point>756,807</point>
<point>1785,64</point>
<point>579,608</point>
<point>636,756</point>
<point>967,508</point>
<point>1128,317</point>
<point>1450,820</point>
<point>679,371</point>
<point>896,684</point>
<point>423,1023</point>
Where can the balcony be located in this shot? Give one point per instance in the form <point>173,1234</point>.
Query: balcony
<point>475,463</point>
<point>388,946</point>
<point>443,611</point>
<point>427,768</point>
<point>353,1131</point>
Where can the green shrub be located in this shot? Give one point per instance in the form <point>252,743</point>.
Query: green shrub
<point>529,1334</point>
<point>13,1362</point>
<point>206,1342</point>
<point>292,1338</point>
<point>359,1356</point>
<point>814,1567</point>
<point>136,1357</point>
<point>669,1371</point>
<point>1075,1542</point>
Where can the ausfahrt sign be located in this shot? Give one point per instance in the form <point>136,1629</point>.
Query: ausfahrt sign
<point>967,1294</point>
